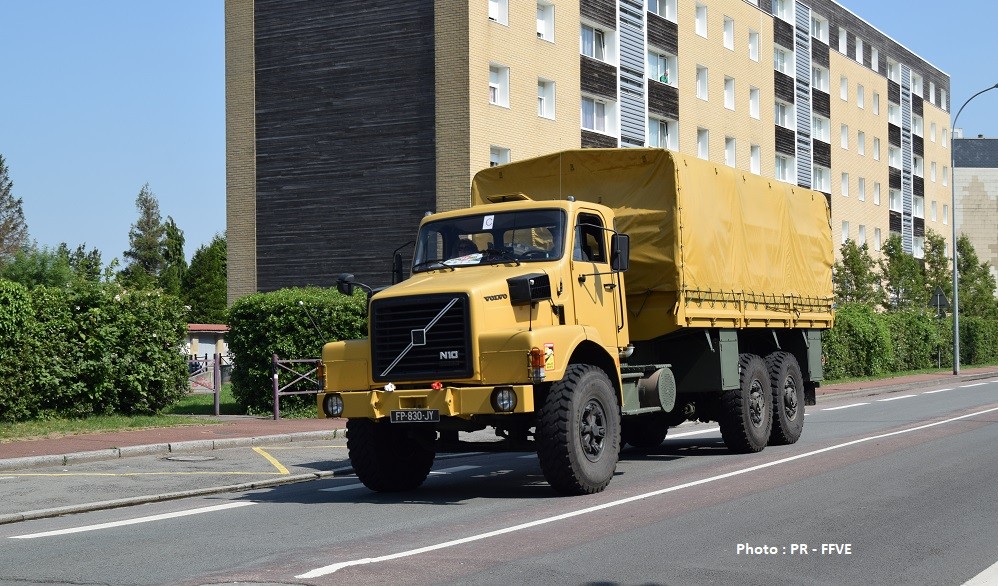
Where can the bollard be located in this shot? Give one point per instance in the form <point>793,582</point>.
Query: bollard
<point>273,372</point>
<point>217,381</point>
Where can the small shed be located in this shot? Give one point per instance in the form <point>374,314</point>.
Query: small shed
<point>207,339</point>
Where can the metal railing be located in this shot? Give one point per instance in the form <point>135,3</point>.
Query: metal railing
<point>201,370</point>
<point>296,369</point>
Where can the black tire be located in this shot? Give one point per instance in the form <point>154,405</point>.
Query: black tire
<point>578,433</point>
<point>746,414</point>
<point>390,457</point>
<point>644,431</point>
<point>788,398</point>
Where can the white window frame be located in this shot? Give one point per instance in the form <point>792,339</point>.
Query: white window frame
<point>601,111</point>
<point>918,246</point>
<point>845,231</point>
<point>729,33</point>
<point>945,213</point>
<point>663,67</point>
<point>874,59</point>
<point>821,179</point>
<point>819,28</point>
<point>861,235</point>
<point>730,151</point>
<point>844,136</point>
<point>499,11</point>
<point>671,128</point>
<point>844,88</point>
<point>844,185</point>
<point>754,94</point>
<point>894,114</point>
<point>843,41</point>
<point>945,175</point>
<point>861,189</point>
<point>546,98</point>
<point>876,193</point>
<point>664,8</point>
<point>894,157</point>
<point>755,159</point>
<point>783,114</point>
<point>545,20</point>
<point>934,210</point>
<point>860,96</point>
<point>783,59</point>
<point>876,239</point>
<point>893,70</point>
<point>932,171</point>
<point>876,104</point>
<point>894,199</point>
<point>499,85</point>
<point>861,143</point>
<point>498,155</point>
<point>703,82</point>
<point>918,166</point>
<point>703,143</point>
<point>819,78</point>
<point>932,93</point>
<point>753,45</point>
<point>859,50</point>
<point>916,84</point>
<point>821,128</point>
<point>729,93</point>
<point>701,20</point>
<point>593,47</point>
<point>784,10</point>
<point>917,125</point>
<point>876,148</point>
<point>784,168</point>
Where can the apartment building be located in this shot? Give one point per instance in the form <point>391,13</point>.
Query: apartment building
<point>347,121</point>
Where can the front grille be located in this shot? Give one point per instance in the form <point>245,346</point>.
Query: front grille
<point>425,337</point>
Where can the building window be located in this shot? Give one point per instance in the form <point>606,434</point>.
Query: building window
<point>916,84</point>
<point>753,45</point>
<point>593,43</point>
<point>918,166</point>
<point>859,50</point>
<point>701,82</point>
<point>819,78</point>
<point>895,199</point>
<point>664,8</point>
<point>545,98</point>
<point>701,26</point>
<point>945,175</point>
<point>893,114</point>
<point>876,149</point>
<point>932,171</point>
<point>662,67</point>
<point>663,134</point>
<point>730,152</point>
<point>729,93</point>
<point>876,239</point>
<point>861,235</point>
<point>844,136</point>
<point>860,96</point>
<point>876,193</point>
<point>893,71</point>
<point>843,41</point>
<point>861,143</point>
<point>844,185</point>
<point>917,125</point>
<point>782,60</point>
<point>499,11</point>
<point>844,88</point>
<point>755,159</point>
<point>935,215</point>
<point>703,139</point>
<point>874,59</point>
<point>942,100</point>
<point>894,157</point>
<point>593,114</point>
<point>821,179</point>
<point>545,21</point>
<point>945,214</point>
<point>945,137</point>
<point>932,132</point>
<point>498,156</point>
<point>784,9</point>
<point>729,33</point>
<point>499,85</point>
<point>821,128</point>
<point>918,246</point>
<point>876,104</point>
<point>932,92</point>
<point>784,114</point>
<point>819,28</point>
<point>861,189</point>
<point>784,168</point>
<point>753,99</point>
<point>845,231</point>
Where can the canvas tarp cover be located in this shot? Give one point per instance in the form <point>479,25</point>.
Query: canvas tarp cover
<point>704,237</point>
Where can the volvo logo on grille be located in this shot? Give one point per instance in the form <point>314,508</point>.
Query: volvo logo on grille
<point>449,355</point>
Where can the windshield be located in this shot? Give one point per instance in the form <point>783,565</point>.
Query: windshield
<point>516,236</point>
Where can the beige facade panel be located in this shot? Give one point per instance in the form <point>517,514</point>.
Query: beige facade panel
<point>977,194</point>
<point>240,148</point>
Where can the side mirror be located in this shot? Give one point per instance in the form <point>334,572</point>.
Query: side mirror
<point>344,283</point>
<point>397,274</point>
<point>620,252</point>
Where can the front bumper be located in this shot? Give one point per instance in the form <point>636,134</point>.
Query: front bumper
<point>450,401</point>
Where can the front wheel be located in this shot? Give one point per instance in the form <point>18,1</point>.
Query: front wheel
<point>578,434</point>
<point>390,457</point>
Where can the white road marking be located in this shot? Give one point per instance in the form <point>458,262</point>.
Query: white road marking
<point>937,391</point>
<point>453,470</point>
<point>844,406</point>
<point>973,385</point>
<point>344,487</point>
<point>895,398</point>
<point>527,456</point>
<point>148,519</point>
<point>988,577</point>
<point>689,433</point>
<point>325,570</point>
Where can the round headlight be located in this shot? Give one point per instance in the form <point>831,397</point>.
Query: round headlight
<point>503,399</point>
<point>332,405</point>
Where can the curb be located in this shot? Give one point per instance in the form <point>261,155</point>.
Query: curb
<point>11,464</point>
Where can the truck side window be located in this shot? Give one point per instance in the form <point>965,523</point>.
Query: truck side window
<point>589,242</point>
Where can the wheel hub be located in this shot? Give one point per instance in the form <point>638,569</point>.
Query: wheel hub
<point>592,430</point>
<point>790,398</point>
<point>757,403</point>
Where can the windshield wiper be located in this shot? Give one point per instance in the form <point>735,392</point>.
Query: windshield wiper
<point>493,255</point>
<point>429,265</point>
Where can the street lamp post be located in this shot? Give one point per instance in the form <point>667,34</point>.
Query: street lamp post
<point>956,298</point>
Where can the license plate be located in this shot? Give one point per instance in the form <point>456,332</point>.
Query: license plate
<point>415,416</point>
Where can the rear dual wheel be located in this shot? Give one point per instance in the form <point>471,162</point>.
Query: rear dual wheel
<point>788,398</point>
<point>746,413</point>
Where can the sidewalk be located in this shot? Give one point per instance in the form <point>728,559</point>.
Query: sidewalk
<point>232,431</point>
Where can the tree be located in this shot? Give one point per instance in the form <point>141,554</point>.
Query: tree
<point>32,266</point>
<point>145,257</point>
<point>174,262</point>
<point>13,228</point>
<point>855,278</point>
<point>938,272</point>
<point>204,283</point>
<point>87,266</point>
<point>977,284</point>
<point>904,283</point>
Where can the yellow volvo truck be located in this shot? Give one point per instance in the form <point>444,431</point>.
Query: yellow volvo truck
<point>585,300</point>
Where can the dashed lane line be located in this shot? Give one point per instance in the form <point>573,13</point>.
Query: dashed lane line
<point>894,398</point>
<point>844,406</point>
<point>938,391</point>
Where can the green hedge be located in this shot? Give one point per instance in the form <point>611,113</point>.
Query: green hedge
<point>281,322</point>
<point>89,348</point>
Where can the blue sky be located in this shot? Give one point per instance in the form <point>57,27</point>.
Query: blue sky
<point>98,98</point>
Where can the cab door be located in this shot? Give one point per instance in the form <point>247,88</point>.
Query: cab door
<point>595,287</point>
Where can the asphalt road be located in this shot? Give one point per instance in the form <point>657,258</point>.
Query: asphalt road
<point>891,489</point>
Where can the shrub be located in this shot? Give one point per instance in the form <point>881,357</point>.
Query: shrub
<point>16,401</point>
<point>978,340</point>
<point>279,323</point>
<point>915,339</point>
<point>858,345</point>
